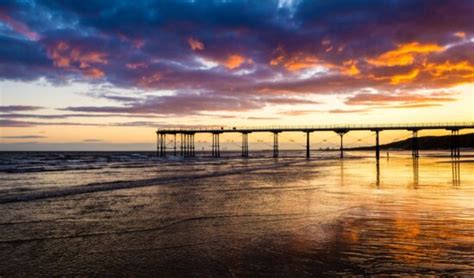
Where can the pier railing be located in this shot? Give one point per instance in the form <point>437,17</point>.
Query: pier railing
<point>398,126</point>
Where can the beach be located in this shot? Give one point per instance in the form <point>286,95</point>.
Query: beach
<point>136,215</point>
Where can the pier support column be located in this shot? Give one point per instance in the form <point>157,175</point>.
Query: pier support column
<point>458,146</point>
<point>189,145</point>
<point>308,146</point>
<point>341,148</point>
<point>454,144</point>
<point>193,154</point>
<point>341,133</point>
<point>275,144</point>
<point>162,145</point>
<point>245,144</point>
<point>215,145</point>
<point>181,142</point>
<point>414,149</point>
<point>377,145</point>
<point>159,143</point>
<point>185,145</point>
<point>174,147</point>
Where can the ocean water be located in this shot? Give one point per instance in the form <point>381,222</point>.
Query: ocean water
<point>133,214</point>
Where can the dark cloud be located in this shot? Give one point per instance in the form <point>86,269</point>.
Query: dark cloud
<point>243,56</point>
<point>18,108</point>
<point>15,123</point>
<point>5,123</point>
<point>75,115</point>
<point>192,104</point>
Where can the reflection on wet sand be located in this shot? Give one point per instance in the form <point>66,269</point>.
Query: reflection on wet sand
<point>456,171</point>
<point>377,167</point>
<point>318,217</point>
<point>415,172</point>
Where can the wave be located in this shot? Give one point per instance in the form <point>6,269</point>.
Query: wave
<point>108,186</point>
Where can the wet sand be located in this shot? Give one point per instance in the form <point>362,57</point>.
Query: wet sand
<point>304,218</point>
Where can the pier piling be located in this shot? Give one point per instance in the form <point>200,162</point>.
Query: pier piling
<point>215,145</point>
<point>308,150</point>
<point>454,143</point>
<point>414,150</point>
<point>275,144</point>
<point>174,147</point>
<point>245,144</point>
<point>377,145</point>
<point>341,133</point>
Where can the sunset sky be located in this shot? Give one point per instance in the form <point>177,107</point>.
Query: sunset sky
<point>86,74</point>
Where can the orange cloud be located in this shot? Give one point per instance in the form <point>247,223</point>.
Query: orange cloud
<point>461,35</point>
<point>415,57</point>
<point>297,62</point>
<point>94,72</point>
<point>350,68</point>
<point>195,44</point>
<point>19,27</point>
<point>406,98</point>
<point>146,81</point>
<point>235,61</point>
<point>403,78</point>
<point>68,57</point>
<point>463,69</point>
<point>405,54</point>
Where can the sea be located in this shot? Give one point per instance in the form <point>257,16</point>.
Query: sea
<point>136,214</point>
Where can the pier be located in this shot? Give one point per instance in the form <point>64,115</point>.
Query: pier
<point>188,148</point>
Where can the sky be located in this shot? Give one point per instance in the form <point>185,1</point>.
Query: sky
<point>96,75</point>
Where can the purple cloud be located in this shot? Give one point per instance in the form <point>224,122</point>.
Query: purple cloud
<point>18,108</point>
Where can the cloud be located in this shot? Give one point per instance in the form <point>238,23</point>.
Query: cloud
<point>262,118</point>
<point>23,137</point>
<point>408,105</point>
<point>235,55</point>
<point>298,112</point>
<point>17,108</point>
<point>149,124</point>
<point>186,103</point>
<point>75,115</point>
<point>345,111</point>
<point>195,44</point>
<point>19,26</point>
<point>404,54</point>
<point>296,62</point>
<point>76,146</point>
<point>92,140</point>
<point>236,60</point>
<point>74,58</point>
<point>381,98</point>
<point>15,123</point>
<point>461,35</point>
